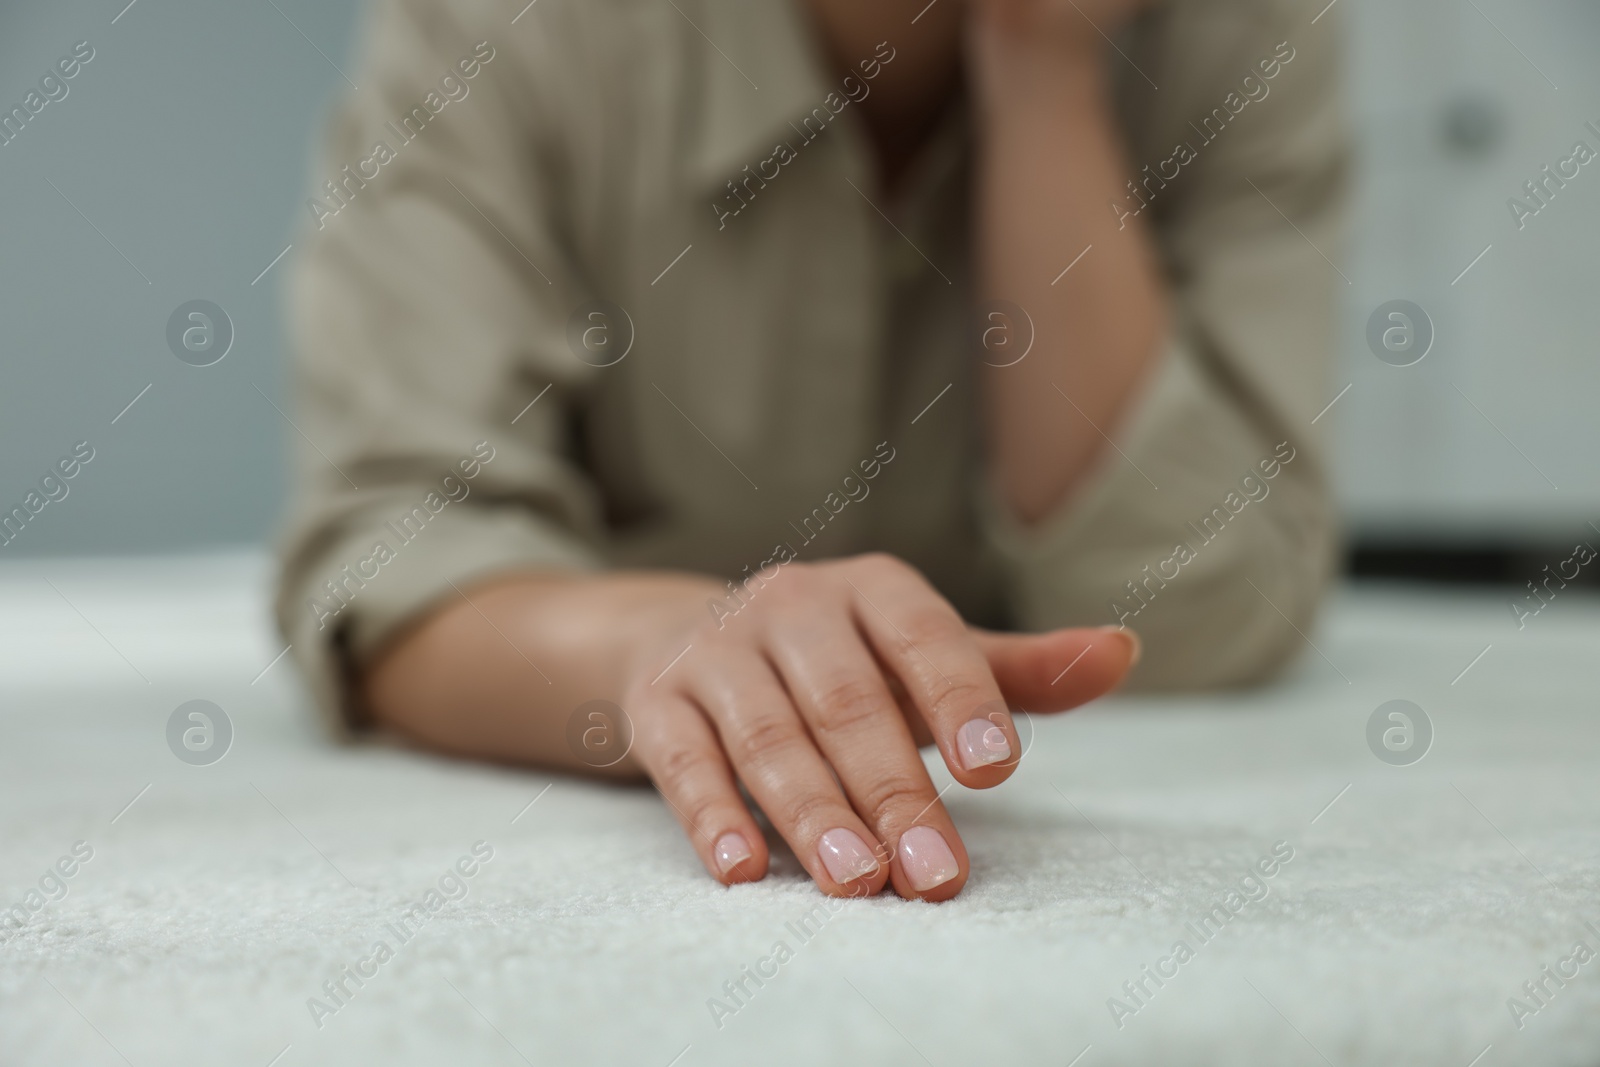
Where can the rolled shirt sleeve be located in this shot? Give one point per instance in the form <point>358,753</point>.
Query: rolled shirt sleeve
<point>1178,531</point>
<point>428,313</point>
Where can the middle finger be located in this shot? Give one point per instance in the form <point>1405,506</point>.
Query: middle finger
<point>858,725</point>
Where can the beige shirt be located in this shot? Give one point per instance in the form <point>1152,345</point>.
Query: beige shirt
<point>610,284</point>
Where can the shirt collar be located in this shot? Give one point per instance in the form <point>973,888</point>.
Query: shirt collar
<point>760,69</point>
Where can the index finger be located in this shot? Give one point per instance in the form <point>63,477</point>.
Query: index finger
<point>926,644</point>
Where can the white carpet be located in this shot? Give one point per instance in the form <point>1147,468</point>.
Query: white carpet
<point>1413,907</point>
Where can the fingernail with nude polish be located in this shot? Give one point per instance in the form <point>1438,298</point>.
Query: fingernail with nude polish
<point>846,856</point>
<point>1136,646</point>
<point>981,743</point>
<point>731,850</point>
<point>926,858</point>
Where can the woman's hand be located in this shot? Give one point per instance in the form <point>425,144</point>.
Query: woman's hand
<point>816,694</point>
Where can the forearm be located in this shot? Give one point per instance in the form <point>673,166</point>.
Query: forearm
<point>497,675</point>
<point>1050,161</point>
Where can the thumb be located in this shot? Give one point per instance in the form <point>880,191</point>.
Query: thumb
<point>1058,669</point>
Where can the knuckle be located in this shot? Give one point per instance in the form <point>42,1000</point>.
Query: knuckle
<point>782,596</point>
<point>705,671</point>
<point>680,774</point>
<point>819,581</point>
<point>797,587</point>
<point>930,624</point>
<point>676,769</point>
<point>897,794</point>
<point>956,698</point>
<point>637,694</point>
<point>703,814</point>
<point>765,739</point>
<point>848,705</point>
<point>880,566</point>
<point>814,811</point>
<point>881,561</point>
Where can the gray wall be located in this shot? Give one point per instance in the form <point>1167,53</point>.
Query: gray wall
<point>184,141</point>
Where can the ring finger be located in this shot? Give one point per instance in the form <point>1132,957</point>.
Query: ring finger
<point>774,756</point>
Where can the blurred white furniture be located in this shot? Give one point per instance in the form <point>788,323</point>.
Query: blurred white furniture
<point>1455,106</point>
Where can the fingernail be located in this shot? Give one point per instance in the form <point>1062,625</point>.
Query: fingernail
<point>846,856</point>
<point>981,743</point>
<point>1135,646</point>
<point>731,850</point>
<point>926,858</point>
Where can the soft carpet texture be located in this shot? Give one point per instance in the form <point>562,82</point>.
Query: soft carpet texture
<point>1418,900</point>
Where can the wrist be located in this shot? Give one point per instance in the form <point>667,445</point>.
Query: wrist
<point>1021,82</point>
<point>1050,107</point>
